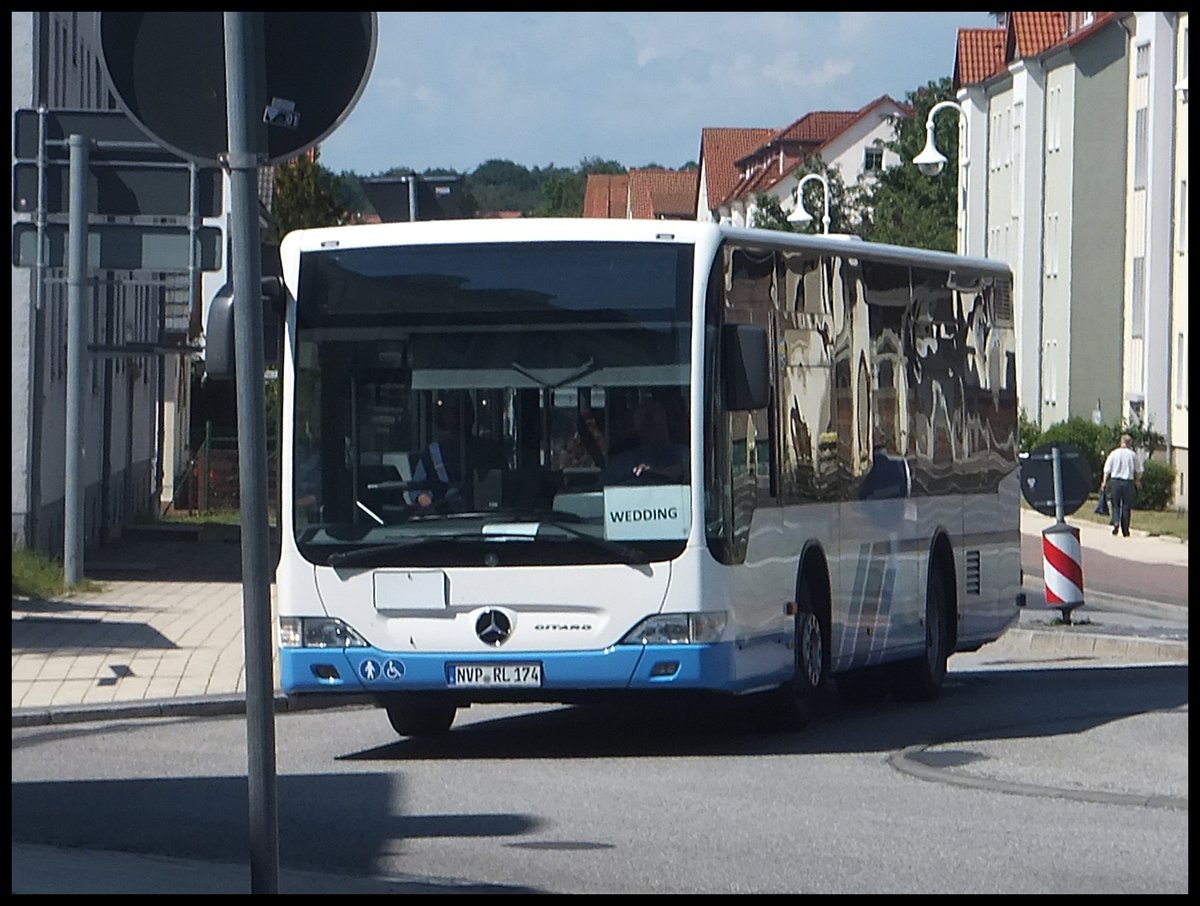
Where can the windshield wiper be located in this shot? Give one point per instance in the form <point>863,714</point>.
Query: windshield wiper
<point>364,556</point>
<point>560,520</point>
<point>628,554</point>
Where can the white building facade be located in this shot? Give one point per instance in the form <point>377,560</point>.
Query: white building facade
<point>1084,194</point>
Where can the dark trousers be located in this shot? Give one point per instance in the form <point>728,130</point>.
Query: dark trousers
<point>1123,493</point>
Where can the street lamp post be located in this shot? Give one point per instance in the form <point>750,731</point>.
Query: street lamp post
<point>931,161</point>
<point>799,214</point>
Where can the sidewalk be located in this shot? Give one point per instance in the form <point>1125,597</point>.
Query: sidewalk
<point>165,636</point>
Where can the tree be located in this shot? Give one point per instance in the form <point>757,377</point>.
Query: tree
<point>306,195</point>
<point>903,206</point>
<point>562,196</point>
<point>591,165</point>
<point>351,194</point>
<point>501,185</point>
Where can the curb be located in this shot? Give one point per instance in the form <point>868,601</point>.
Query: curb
<point>212,706</point>
<point>1057,643</point>
<point>1035,597</point>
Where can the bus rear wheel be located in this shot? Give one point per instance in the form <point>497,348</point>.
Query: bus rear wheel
<point>413,717</point>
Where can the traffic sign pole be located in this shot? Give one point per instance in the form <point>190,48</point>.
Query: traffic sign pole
<point>246,256</point>
<point>1058,492</point>
<point>266,103</point>
<point>76,362</point>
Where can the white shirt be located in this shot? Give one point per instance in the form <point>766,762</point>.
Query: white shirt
<point>1122,463</point>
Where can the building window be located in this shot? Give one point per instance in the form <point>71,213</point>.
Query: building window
<point>993,155</point>
<point>1006,135</point>
<point>1017,175</point>
<point>873,159</point>
<point>1139,148</point>
<point>1052,245</point>
<point>1181,223</point>
<point>1056,118</point>
<point>1184,64</point>
<point>1137,318</point>
<point>1181,371</point>
<point>1051,365</point>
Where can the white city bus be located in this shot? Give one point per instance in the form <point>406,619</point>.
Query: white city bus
<point>470,512</point>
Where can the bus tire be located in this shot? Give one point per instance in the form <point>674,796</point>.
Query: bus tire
<point>921,678</point>
<point>412,717</point>
<point>793,705</point>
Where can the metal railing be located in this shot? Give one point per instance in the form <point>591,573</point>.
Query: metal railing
<point>210,481</point>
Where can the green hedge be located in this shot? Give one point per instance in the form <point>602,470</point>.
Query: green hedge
<point>1158,486</point>
<point>1097,441</point>
<point>1094,441</point>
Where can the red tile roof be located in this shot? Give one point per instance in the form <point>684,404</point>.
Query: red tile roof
<point>720,149</point>
<point>778,157</point>
<point>606,195</point>
<point>979,55</point>
<point>645,194</point>
<point>817,127</point>
<point>985,52</point>
<point>659,194</point>
<point>1031,33</point>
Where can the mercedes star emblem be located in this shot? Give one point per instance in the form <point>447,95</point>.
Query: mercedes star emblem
<point>493,627</point>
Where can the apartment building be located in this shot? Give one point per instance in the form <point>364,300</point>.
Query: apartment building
<point>1076,175</point>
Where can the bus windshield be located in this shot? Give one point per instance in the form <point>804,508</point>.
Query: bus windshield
<point>492,403</point>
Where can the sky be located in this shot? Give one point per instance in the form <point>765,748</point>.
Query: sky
<point>454,90</point>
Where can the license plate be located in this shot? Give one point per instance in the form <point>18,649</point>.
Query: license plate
<point>496,675</point>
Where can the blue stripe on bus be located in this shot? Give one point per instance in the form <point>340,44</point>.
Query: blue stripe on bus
<point>359,670</point>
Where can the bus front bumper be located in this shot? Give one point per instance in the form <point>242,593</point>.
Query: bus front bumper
<point>519,675</point>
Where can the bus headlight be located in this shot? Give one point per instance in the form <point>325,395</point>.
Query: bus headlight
<point>678,629</point>
<point>317,632</point>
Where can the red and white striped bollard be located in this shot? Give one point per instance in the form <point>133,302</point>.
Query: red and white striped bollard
<point>1063,559</point>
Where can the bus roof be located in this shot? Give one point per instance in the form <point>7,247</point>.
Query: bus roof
<point>595,229</point>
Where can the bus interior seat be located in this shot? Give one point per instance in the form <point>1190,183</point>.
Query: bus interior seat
<point>401,461</point>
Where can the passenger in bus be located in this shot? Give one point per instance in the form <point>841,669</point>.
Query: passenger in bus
<point>655,458</point>
<point>441,478</point>
<point>586,447</point>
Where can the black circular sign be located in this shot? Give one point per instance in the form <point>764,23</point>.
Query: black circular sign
<point>168,71</point>
<point>1037,478</point>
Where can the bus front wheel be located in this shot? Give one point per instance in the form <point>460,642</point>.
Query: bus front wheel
<point>794,704</point>
<point>413,717</point>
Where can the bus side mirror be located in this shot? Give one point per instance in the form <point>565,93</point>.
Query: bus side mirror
<point>273,295</point>
<point>220,358</point>
<point>220,361</point>
<point>746,362</point>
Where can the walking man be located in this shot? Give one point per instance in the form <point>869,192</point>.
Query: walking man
<point>1123,471</point>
